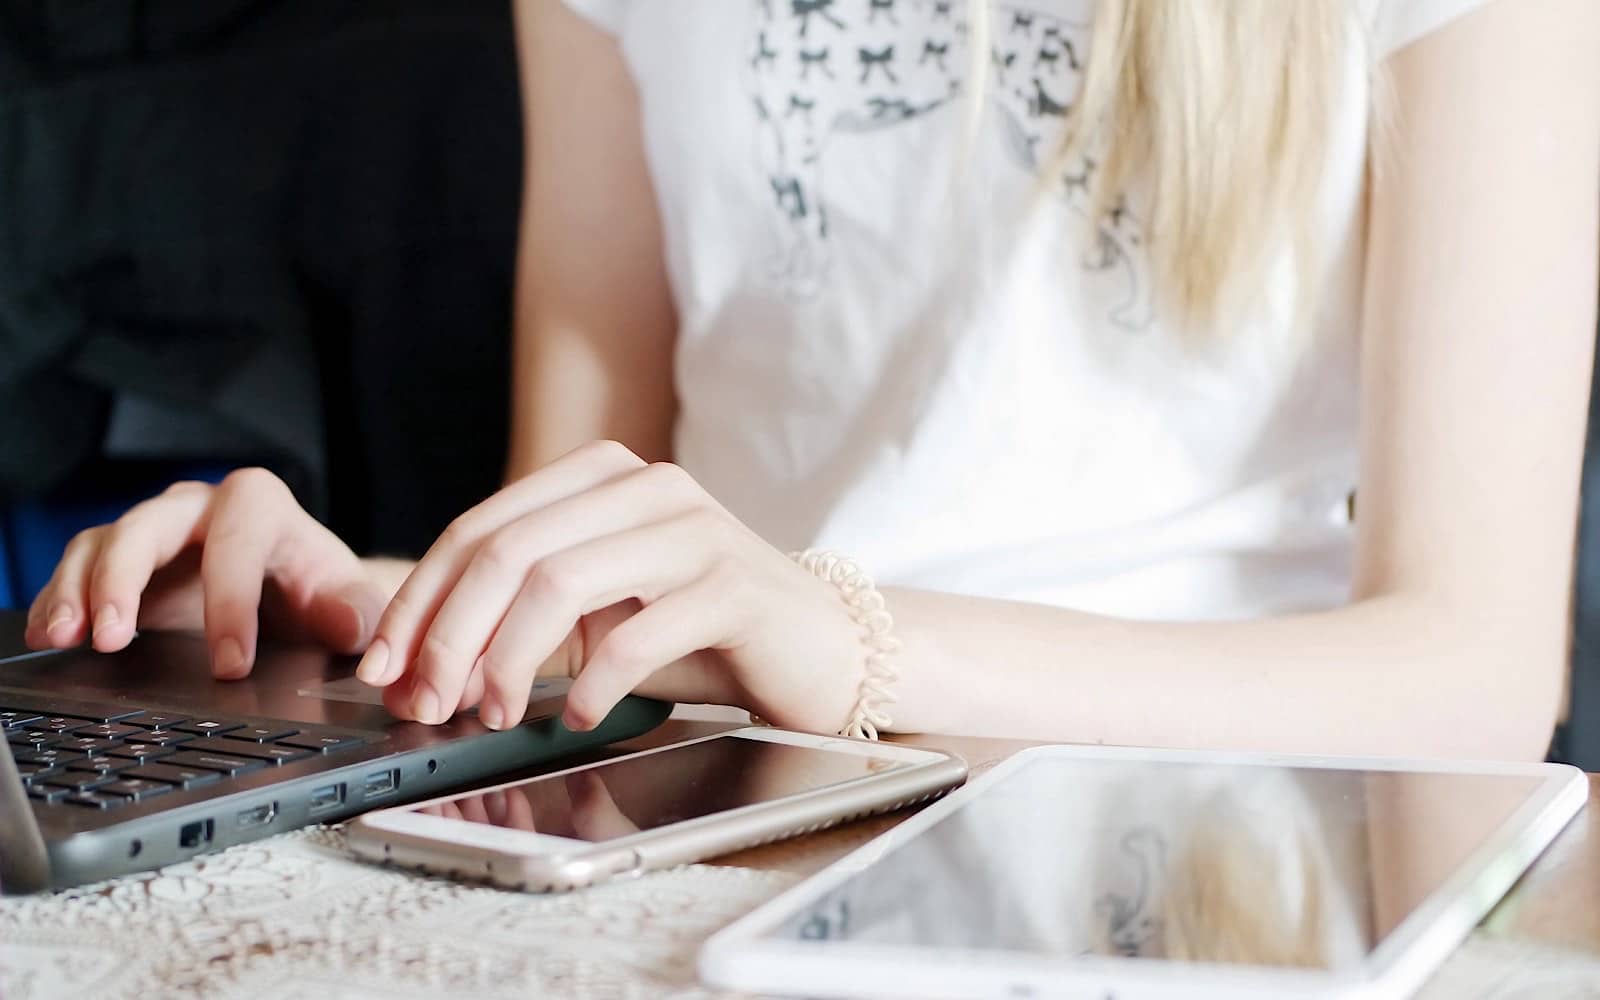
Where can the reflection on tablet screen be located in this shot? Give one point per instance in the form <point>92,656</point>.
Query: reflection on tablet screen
<point>1196,862</point>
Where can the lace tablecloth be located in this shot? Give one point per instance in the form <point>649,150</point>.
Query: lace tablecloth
<point>295,917</point>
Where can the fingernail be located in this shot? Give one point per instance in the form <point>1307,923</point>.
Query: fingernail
<point>107,617</point>
<point>492,715</point>
<point>61,617</point>
<point>374,664</point>
<point>425,703</point>
<point>227,661</point>
<point>573,723</point>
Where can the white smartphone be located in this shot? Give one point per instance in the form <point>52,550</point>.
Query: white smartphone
<point>654,809</point>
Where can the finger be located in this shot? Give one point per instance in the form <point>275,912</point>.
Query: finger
<point>697,616</point>
<point>328,589</point>
<point>399,634</point>
<point>248,511</point>
<point>464,624</point>
<point>64,601</point>
<point>36,634</point>
<point>519,811</point>
<point>343,612</point>
<point>595,815</point>
<point>472,693</point>
<point>641,563</point>
<point>397,698</point>
<point>33,630</point>
<point>472,809</point>
<point>149,536</point>
<point>494,806</point>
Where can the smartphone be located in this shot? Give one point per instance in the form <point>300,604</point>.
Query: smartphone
<point>654,809</point>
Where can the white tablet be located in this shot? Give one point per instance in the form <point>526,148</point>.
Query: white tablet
<point>1093,872</point>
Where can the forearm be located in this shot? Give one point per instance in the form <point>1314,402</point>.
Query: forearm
<point>595,322</point>
<point>1385,675</point>
<point>567,391</point>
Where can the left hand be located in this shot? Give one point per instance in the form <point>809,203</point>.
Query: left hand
<point>623,576</point>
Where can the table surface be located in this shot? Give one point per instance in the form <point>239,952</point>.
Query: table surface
<point>295,916</point>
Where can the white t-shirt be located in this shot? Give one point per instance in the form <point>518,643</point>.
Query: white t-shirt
<point>897,349</point>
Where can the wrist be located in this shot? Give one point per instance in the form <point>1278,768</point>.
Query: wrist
<point>877,646</point>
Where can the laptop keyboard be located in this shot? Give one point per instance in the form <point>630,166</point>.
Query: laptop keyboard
<point>104,760</point>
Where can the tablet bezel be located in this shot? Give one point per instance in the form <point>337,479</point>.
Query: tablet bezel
<point>740,957</point>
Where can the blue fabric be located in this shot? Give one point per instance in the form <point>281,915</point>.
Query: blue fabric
<point>8,586</point>
<point>33,534</point>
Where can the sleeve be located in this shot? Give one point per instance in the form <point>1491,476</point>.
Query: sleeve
<point>1398,23</point>
<point>607,15</point>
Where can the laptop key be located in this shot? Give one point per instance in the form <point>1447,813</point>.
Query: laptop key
<point>109,730</point>
<point>183,777</point>
<point>222,763</point>
<point>59,724</point>
<point>48,758</point>
<point>141,751</point>
<point>46,793</point>
<point>325,742</point>
<point>35,741</point>
<point>12,718</point>
<point>135,788</point>
<point>153,720</point>
<point>77,781</point>
<point>159,737</point>
<point>96,800</point>
<point>208,727</point>
<point>89,745</point>
<point>262,734</point>
<point>101,764</point>
<point>36,772</point>
<point>269,752</point>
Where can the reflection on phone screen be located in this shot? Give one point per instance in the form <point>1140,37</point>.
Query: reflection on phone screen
<point>642,793</point>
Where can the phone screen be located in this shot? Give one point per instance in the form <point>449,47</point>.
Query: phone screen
<point>629,795</point>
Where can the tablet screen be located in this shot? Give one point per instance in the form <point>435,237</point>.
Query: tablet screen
<point>1154,860</point>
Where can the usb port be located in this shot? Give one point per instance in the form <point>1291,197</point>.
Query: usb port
<point>257,815</point>
<point>196,834</point>
<point>380,783</point>
<point>327,797</point>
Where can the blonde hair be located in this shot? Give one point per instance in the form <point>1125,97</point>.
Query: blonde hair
<point>1220,110</point>
<point>1230,892</point>
<point>1225,902</point>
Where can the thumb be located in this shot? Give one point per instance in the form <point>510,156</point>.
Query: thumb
<point>343,615</point>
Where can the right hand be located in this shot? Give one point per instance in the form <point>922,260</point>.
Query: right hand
<point>228,559</point>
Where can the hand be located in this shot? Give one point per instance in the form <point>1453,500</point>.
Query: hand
<point>623,576</point>
<point>197,556</point>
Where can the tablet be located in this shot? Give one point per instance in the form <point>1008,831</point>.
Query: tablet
<point>1095,872</point>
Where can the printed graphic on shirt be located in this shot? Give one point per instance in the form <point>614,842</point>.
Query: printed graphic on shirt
<point>822,68</point>
<point>1131,924</point>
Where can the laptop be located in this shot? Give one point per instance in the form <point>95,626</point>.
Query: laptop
<point>117,763</point>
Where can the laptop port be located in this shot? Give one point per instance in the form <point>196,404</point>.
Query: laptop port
<point>193,835</point>
<point>327,797</point>
<point>257,815</point>
<point>380,783</point>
